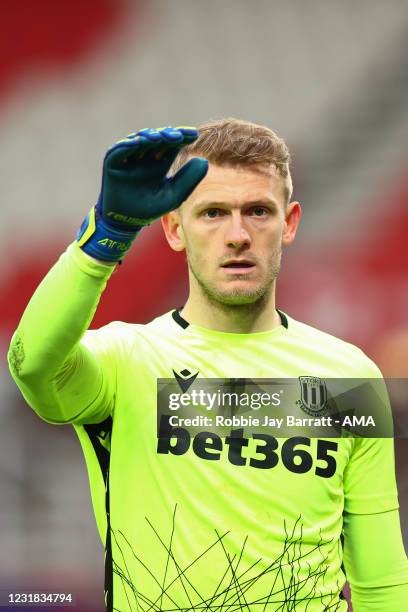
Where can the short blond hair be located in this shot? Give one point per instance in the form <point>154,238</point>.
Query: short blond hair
<point>235,142</point>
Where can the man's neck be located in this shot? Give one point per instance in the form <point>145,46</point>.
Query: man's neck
<point>242,319</point>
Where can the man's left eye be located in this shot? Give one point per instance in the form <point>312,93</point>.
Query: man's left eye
<point>258,211</point>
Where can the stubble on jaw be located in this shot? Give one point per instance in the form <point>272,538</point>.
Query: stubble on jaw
<point>238,302</point>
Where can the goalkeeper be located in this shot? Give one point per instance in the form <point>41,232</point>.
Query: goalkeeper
<point>211,523</point>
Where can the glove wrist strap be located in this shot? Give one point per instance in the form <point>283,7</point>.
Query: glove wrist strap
<point>102,241</point>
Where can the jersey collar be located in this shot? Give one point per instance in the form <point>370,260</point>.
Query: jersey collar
<point>184,324</point>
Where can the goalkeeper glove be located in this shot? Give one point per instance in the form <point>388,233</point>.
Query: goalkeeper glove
<point>136,191</point>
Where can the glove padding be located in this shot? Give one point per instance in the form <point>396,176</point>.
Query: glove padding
<point>136,191</point>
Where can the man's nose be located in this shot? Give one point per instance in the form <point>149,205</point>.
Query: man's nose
<point>236,234</point>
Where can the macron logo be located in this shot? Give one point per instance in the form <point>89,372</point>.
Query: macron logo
<point>185,379</point>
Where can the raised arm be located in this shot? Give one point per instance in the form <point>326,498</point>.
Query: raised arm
<point>65,374</point>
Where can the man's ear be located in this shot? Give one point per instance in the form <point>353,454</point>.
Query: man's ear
<point>173,230</point>
<point>293,214</point>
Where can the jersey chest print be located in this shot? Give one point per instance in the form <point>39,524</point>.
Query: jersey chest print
<point>294,453</point>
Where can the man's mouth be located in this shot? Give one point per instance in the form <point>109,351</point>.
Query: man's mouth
<point>239,265</point>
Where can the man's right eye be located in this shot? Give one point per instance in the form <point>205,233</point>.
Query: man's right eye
<point>212,213</point>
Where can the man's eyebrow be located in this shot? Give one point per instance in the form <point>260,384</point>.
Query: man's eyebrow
<point>211,204</point>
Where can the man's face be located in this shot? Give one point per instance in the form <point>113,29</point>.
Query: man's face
<point>232,227</point>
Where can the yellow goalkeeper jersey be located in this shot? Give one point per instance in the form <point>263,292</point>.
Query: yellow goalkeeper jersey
<point>199,531</point>
<point>220,523</point>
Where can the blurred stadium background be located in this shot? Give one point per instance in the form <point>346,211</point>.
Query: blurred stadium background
<point>330,77</point>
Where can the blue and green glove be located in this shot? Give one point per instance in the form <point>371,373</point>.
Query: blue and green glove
<point>136,191</point>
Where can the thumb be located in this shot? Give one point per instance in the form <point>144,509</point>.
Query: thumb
<point>187,178</point>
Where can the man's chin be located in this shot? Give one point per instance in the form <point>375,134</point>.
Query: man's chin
<point>237,298</point>
<point>235,293</point>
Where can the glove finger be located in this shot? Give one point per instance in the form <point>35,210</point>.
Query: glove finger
<point>151,134</point>
<point>169,151</point>
<point>156,142</point>
<point>117,155</point>
<point>171,135</point>
<point>162,134</point>
<point>190,133</point>
<point>164,155</point>
<point>151,144</point>
<point>166,134</point>
<point>187,178</point>
<point>162,158</point>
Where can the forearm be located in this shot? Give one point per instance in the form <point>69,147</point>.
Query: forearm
<point>376,563</point>
<point>46,360</point>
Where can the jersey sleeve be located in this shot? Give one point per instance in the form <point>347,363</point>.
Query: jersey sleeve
<point>374,557</point>
<point>369,480</point>
<point>375,562</point>
<point>67,375</point>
